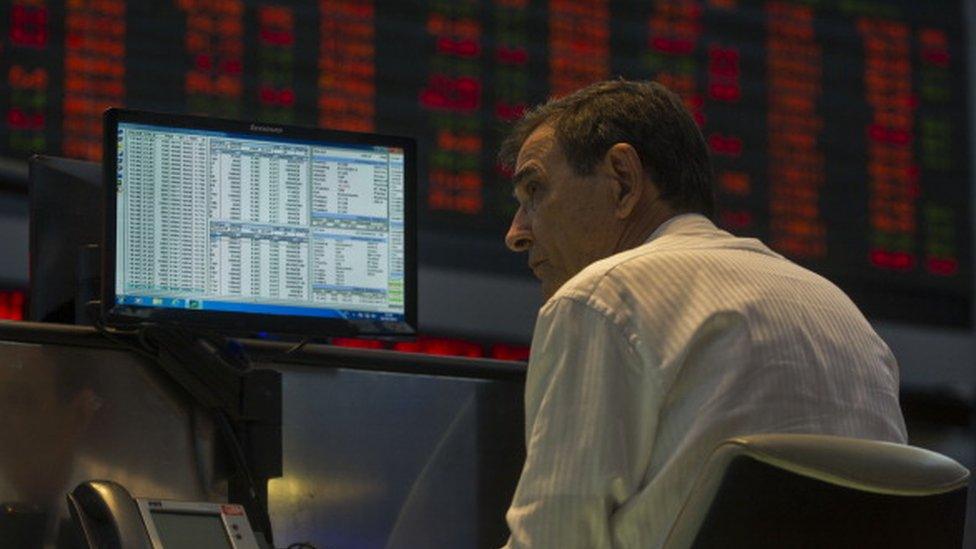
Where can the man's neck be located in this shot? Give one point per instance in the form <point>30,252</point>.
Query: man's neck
<point>640,229</point>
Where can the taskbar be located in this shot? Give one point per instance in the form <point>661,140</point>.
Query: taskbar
<point>255,308</point>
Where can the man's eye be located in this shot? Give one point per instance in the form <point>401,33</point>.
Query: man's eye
<point>526,193</point>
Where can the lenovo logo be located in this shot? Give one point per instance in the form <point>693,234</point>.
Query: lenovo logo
<point>268,129</point>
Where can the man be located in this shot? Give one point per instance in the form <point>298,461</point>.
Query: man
<point>662,335</point>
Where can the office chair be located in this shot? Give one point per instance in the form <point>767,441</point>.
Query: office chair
<point>794,491</point>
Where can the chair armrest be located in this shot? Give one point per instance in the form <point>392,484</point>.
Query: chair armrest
<point>868,465</point>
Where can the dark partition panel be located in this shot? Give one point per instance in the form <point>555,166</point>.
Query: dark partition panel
<point>380,449</point>
<point>376,459</point>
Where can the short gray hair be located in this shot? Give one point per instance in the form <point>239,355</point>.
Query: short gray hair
<point>646,115</point>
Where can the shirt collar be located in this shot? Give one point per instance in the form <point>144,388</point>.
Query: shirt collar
<point>680,223</point>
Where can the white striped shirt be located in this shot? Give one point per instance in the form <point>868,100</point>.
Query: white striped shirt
<point>645,361</point>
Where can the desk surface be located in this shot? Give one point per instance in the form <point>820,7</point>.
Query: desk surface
<point>311,355</point>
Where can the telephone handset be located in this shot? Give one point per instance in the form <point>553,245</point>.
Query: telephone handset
<point>107,517</point>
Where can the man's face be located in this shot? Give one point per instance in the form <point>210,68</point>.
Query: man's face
<point>565,221</point>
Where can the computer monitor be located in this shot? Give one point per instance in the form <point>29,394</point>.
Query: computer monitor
<point>250,227</point>
<point>65,217</point>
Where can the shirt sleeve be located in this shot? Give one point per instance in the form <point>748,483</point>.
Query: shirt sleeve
<point>591,412</point>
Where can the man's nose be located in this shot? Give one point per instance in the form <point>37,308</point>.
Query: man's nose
<point>519,237</point>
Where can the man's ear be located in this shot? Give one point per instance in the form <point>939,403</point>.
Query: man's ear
<point>627,179</point>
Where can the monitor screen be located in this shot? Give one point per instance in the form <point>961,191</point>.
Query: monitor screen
<point>259,227</point>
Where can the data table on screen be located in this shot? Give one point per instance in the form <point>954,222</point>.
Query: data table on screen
<point>213,217</point>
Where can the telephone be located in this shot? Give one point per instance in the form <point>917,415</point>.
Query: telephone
<point>107,517</point>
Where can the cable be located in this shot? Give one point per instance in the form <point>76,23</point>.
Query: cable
<point>297,347</point>
<point>112,336</point>
<point>198,453</point>
<point>238,454</point>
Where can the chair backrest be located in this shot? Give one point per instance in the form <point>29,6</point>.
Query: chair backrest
<point>788,490</point>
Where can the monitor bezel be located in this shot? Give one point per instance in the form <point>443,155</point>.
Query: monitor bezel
<point>234,323</point>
